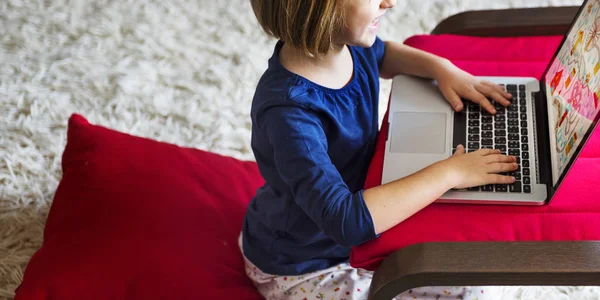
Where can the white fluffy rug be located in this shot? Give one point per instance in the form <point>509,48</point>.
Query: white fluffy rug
<point>181,71</point>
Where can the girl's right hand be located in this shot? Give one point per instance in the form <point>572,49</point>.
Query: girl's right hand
<point>480,167</point>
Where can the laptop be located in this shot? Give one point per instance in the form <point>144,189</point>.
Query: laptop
<point>545,127</point>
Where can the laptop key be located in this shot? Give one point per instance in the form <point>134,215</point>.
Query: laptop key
<point>500,132</point>
<point>460,129</point>
<point>487,142</point>
<point>515,187</point>
<point>525,155</point>
<point>500,188</point>
<point>518,159</point>
<point>513,136</point>
<point>523,131</point>
<point>522,102</point>
<point>527,188</point>
<point>473,137</point>
<point>500,140</point>
<point>500,125</point>
<point>513,115</point>
<point>486,120</point>
<point>473,145</point>
<point>513,122</point>
<point>487,134</point>
<point>514,152</point>
<point>525,147</point>
<point>517,176</point>
<point>472,122</point>
<point>523,109</point>
<point>523,117</point>
<point>500,119</point>
<point>502,148</point>
<point>487,188</point>
<point>511,87</point>
<point>524,124</point>
<point>526,171</point>
<point>524,139</point>
<point>513,108</point>
<point>487,127</point>
<point>521,87</point>
<point>513,144</point>
<point>473,130</point>
<point>513,129</point>
<point>525,163</point>
<point>526,180</point>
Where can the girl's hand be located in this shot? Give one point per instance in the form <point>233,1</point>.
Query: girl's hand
<point>454,83</point>
<point>480,167</point>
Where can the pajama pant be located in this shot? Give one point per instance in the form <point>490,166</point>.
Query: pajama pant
<point>343,282</point>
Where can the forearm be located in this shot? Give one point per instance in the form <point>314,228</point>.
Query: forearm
<point>394,202</point>
<point>403,59</point>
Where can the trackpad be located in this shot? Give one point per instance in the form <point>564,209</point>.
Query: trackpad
<point>414,132</point>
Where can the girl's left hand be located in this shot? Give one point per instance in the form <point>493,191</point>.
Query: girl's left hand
<point>456,84</point>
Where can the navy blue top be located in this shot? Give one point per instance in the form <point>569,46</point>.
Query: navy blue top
<point>313,146</point>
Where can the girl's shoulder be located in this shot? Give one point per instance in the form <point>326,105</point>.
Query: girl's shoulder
<point>280,87</point>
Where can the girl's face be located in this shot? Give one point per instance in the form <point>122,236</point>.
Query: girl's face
<point>362,20</point>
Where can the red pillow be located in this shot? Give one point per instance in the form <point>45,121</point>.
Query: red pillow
<point>134,218</point>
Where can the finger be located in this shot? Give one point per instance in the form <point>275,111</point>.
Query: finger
<point>460,149</point>
<point>452,98</point>
<point>502,167</point>
<point>488,151</point>
<point>489,89</point>
<point>499,179</point>
<point>498,158</point>
<point>497,88</point>
<point>480,99</point>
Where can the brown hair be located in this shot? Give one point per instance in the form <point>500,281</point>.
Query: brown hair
<point>308,25</point>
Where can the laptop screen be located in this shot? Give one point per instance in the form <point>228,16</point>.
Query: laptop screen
<point>573,87</point>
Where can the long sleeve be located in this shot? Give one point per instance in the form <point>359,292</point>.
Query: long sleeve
<point>300,150</point>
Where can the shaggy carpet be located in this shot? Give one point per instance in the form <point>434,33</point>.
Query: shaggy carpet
<point>180,71</point>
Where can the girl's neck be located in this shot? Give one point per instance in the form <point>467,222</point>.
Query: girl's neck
<point>333,70</point>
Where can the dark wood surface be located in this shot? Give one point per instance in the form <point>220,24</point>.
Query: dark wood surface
<point>510,22</point>
<point>487,263</point>
<point>493,263</point>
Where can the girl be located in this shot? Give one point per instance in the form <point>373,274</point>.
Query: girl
<point>314,126</point>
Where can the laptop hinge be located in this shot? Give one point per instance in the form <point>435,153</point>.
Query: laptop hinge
<point>542,139</point>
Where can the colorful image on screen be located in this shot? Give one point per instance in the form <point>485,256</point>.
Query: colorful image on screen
<point>573,87</point>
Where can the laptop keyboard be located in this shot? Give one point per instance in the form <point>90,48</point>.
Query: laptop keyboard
<point>475,128</point>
